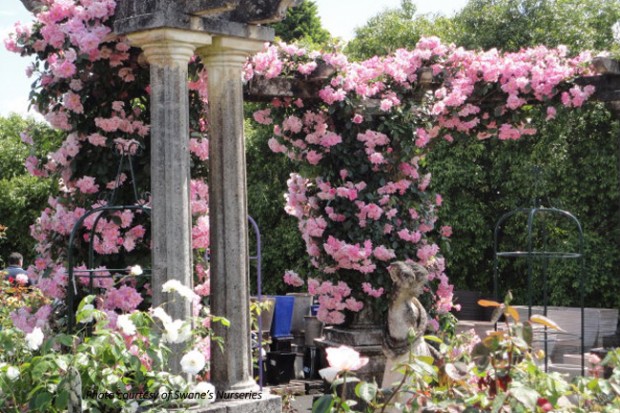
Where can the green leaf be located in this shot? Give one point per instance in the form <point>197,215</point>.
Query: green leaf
<point>434,339</point>
<point>526,396</point>
<point>366,391</point>
<point>65,340</point>
<point>324,404</point>
<point>498,402</point>
<point>42,400</point>
<point>61,400</point>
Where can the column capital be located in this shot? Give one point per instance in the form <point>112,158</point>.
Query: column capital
<point>169,47</point>
<point>229,51</point>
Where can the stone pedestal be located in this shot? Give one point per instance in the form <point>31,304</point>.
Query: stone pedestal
<point>168,51</point>
<point>367,341</point>
<point>228,217</point>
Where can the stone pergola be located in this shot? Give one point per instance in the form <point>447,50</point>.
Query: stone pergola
<point>223,33</point>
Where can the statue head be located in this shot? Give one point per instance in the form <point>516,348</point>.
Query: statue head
<point>408,277</point>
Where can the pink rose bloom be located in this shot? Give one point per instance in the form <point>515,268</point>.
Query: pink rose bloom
<point>307,68</point>
<point>383,254</point>
<point>97,139</point>
<point>87,185</point>
<point>262,117</point>
<point>446,231</point>
<point>368,289</point>
<point>345,358</point>
<point>276,146</point>
<point>358,118</point>
<point>313,157</point>
<point>292,278</point>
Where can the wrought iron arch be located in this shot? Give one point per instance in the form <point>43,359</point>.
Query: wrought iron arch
<point>126,154</point>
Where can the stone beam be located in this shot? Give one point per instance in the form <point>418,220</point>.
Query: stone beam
<point>168,51</point>
<point>211,16</point>
<point>228,217</point>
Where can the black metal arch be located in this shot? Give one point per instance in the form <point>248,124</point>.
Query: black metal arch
<point>531,254</point>
<point>90,272</point>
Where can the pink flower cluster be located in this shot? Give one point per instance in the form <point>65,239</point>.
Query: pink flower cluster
<point>333,299</point>
<point>293,279</point>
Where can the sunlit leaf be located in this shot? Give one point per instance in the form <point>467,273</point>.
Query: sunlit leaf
<point>541,319</point>
<point>488,303</point>
<point>512,312</point>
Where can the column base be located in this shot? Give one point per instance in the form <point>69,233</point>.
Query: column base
<point>268,403</point>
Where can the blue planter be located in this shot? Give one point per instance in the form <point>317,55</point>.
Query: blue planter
<point>282,316</point>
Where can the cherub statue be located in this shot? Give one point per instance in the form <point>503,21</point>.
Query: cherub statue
<point>406,316</point>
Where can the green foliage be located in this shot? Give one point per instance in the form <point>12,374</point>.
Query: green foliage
<point>513,24</point>
<point>22,196</point>
<point>302,24</point>
<point>481,180</point>
<point>393,29</point>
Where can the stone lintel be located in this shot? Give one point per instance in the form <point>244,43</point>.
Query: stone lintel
<point>142,15</point>
<point>166,46</point>
<point>222,27</point>
<point>228,51</point>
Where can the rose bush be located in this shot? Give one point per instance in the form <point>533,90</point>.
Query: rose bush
<point>499,372</point>
<point>124,358</point>
<point>362,194</point>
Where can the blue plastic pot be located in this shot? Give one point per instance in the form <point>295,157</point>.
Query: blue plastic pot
<point>314,309</point>
<point>282,316</point>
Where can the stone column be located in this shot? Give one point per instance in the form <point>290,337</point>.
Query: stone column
<point>224,59</point>
<point>168,51</point>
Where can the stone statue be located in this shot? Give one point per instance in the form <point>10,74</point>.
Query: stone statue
<point>406,316</point>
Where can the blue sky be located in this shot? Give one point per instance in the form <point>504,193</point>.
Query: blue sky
<point>340,17</point>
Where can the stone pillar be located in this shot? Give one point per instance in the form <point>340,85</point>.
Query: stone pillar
<point>168,51</point>
<point>224,59</point>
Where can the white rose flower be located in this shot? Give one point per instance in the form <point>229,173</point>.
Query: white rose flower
<point>193,362</point>
<point>177,331</point>
<point>204,387</point>
<point>135,270</point>
<point>162,315</point>
<point>12,373</point>
<point>184,291</point>
<point>124,323</point>
<point>34,339</point>
<point>329,374</point>
<point>185,332</point>
<point>22,279</point>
